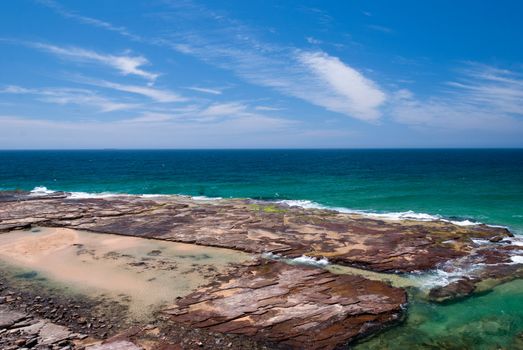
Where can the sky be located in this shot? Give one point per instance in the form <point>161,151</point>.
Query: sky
<point>260,74</point>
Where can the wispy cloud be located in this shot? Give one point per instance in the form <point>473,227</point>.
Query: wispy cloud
<point>149,117</point>
<point>125,64</point>
<point>156,94</point>
<point>349,92</point>
<point>87,20</point>
<point>313,41</point>
<point>224,109</point>
<point>153,132</point>
<point>268,108</point>
<point>379,28</point>
<point>311,76</point>
<point>71,96</point>
<point>212,91</point>
<point>484,98</point>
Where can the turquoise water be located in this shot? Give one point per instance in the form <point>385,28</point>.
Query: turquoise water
<point>483,185</point>
<point>480,185</point>
<point>484,322</point>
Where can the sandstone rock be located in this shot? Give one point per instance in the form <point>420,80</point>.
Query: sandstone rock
<point>295,305</point>
<point>302,307</point>
<point>454,290</point>
<point>52,333</point>
<point>9,317</point>
<point>258,227</point>
<point>116,345</point>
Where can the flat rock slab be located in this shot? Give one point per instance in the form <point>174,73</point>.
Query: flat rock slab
<point>302,307</point>
<point>116,345</point>
<point>9,317</point>
<point>27,331</point>
<point>258,227</point>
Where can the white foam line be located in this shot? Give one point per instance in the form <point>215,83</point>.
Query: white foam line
<point>306,204</point>
<point>40,191</point>
<point>308,260</point>
<point>394,216</point>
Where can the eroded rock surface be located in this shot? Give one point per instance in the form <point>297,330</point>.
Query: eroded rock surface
<point>257,227</point>
<point>20,330</point>
<point>304,307</point>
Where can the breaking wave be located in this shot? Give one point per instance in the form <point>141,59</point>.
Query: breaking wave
<point>306,204</point>
<point>404,215</point>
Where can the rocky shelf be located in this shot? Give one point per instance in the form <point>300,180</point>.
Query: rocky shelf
<point>274,302</point>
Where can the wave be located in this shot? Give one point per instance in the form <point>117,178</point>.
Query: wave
<point>40,191</point>
<point>306,204</point>
<point>301,260</point>
<point>308,260</point>
<point>404,215</point>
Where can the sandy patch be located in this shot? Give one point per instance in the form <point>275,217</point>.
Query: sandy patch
<point>143,273</point>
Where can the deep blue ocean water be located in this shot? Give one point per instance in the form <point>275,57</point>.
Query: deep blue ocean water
<point>481,185</point>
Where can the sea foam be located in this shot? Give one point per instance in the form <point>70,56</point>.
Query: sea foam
<point>40,190</point>
<point>308,260</point>
<point>404,215</point>
<point>306,204</point>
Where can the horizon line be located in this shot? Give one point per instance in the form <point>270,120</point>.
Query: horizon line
<point>260,149</point>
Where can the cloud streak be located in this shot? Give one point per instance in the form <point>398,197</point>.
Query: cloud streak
<point>124,64</point>
<point>307,75</point>
<point>154,131</point>
<point>484,98</point>
<point>158,95</point>
<point>206,90</point>
<point>70,96</point>
<point>313,76</point>
<point>349,92</point>
<point>87,20</point>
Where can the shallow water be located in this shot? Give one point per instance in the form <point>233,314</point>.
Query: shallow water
<point>143,273</point>
<point>490,321</point>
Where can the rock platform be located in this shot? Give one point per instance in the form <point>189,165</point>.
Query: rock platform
<point>271,301</point>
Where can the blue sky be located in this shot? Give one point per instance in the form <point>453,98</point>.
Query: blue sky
<point>260,74</point>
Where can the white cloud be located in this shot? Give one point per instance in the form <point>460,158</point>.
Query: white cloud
<point>485,98</point>
<point>313,41</point>
<point>268,108</point>
<point>223,109</point>
<point>206,90</point>
<point>125,64</point>
<point>157,95</point>
<point>309,76</point>
<point>67,96</point>
<point>314,77</point>
<point>145,132</point>
<point>349,92</point>
<point>87,20</point>
<point>150,118</point>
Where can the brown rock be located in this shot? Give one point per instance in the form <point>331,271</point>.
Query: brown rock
<point>454,290</point>
<point>257,227</point>
<point>302,307</point>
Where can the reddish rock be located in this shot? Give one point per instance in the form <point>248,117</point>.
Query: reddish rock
<point>257,227</point>
<point>303,307</point>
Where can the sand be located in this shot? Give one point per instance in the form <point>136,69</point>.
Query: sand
<point>146,274</point>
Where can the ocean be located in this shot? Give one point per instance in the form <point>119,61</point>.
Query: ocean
<point>484,185</point>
